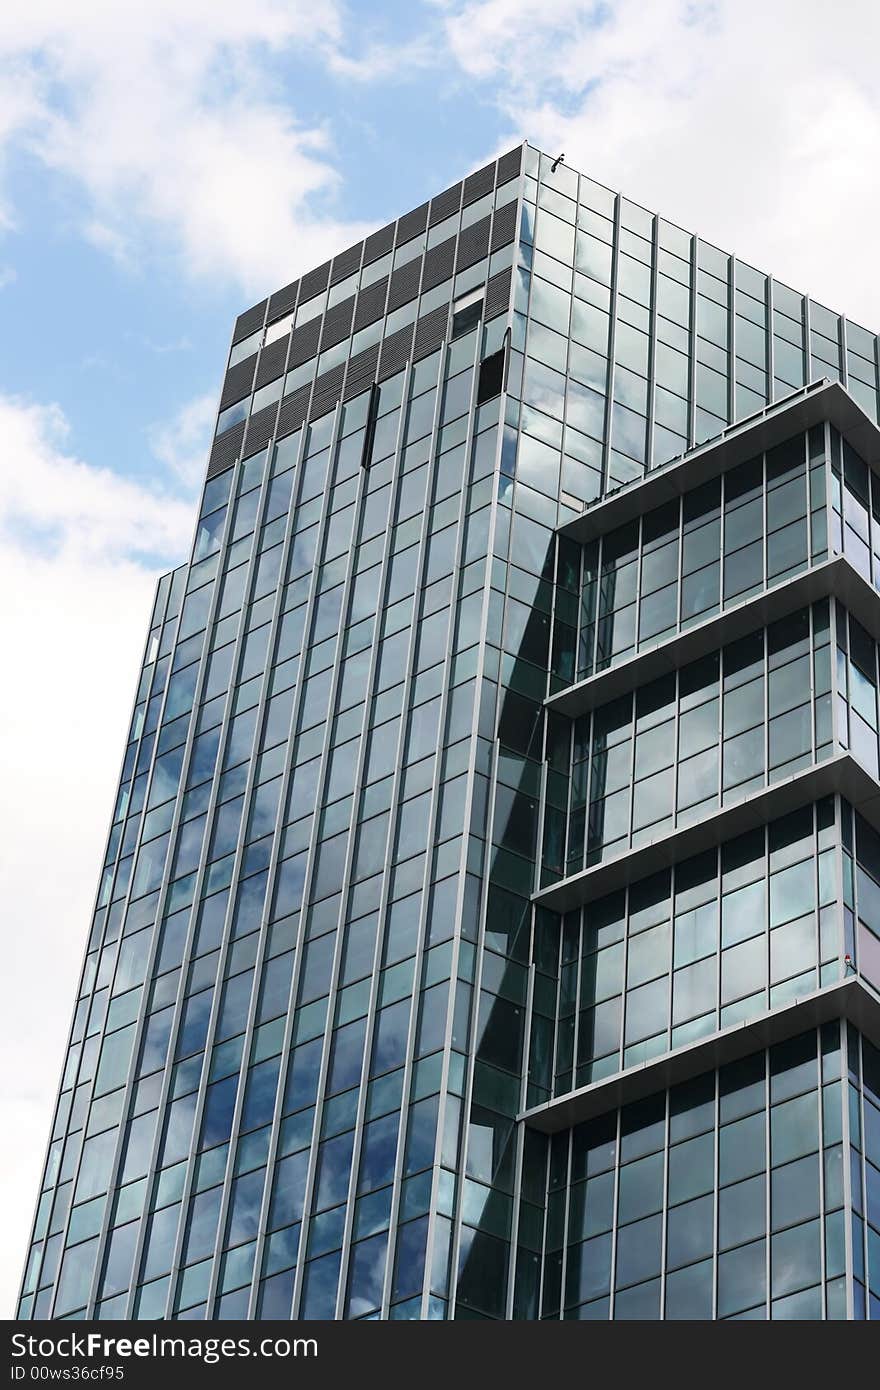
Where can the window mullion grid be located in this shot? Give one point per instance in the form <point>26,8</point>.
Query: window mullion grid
<point>299,949</point>
<point>129,1084</point>
<point>346,885</point>
<point>491,776</point>
<point>768,1111</point>
<point>249,1022</point>
<point>192,930</point>
<point>303,924</point>
<point>692,349</point>
<point>652,343</point>
<point>519,1158</point>
<point>806,329</point>
<point>615,1198</point>
<point>563,1235</point>
<point>823,1215</point>
<point>388,877</point>
<point>621,1027</point>
<point>311,605</point>
<point>156,929</point>
<point>607,441</point>
<point>188,946</point>
<point>863,1177</point>
<point>716,1170</point>
<point>543,1254</point>
<point>445,699</point>
<point>664,1209</point>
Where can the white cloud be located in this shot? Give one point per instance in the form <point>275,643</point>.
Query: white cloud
<point>75,595</point>
<point>182,443</point>
<point>755,125</point>
<point>170,117</point>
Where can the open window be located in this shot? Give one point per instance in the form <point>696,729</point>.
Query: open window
<point>467,311</point>
<point>493,370</point>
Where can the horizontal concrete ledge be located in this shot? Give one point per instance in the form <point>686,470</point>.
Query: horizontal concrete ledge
<point>822,400</point>
<point>838,774</point>
<point>850,998</point>
<point>835,577</point>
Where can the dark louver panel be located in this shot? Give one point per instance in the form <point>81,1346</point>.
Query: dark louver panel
<point>304,342</point>
<point>248,322</point>
<point>509,166</point>
<point>294,409</point>
<point>445,204</point>
<point>371,304</point>
<point>378,244</point>
<point>328,389</point>
<point>395,352</point>
<point>404,284</point>
<point>473,244</point>
<point>497,295</point>
<point>504,225</point>
<point>430,331</point>
<point>361,372</point>
<point>346,263</point>
<point>438,264</point>
<point>260,429</point>
<point>337,323</point>
<point>272,360</point>
<point>238,383</point>
<point>476,185</point>
<point>411,224</point>
<point>226,450</point>
<point>282,302</point>
<point>314,282</point>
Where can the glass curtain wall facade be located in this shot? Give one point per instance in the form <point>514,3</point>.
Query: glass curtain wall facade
<point>489,925</point>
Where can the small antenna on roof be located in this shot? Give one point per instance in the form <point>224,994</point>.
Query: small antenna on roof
<point>558,160</point>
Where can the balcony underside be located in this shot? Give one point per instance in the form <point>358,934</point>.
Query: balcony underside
<point>825,400</point>
<point>840,774</point>
<point>836,577</point>
<point>850,998</point>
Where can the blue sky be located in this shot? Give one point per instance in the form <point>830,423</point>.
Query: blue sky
<point>164,166</point>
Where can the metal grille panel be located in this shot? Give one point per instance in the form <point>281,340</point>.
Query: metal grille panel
<point>282,301</point>
<point>371,303</point>
<point>473,244</point>
<point>226,450</point>
<point>509,166</point>
<point>438,264</point>
<point>378,243</point>
<point>361,372</point>
<point>248,322</point>
<point>504,225</point>
<point>239,381</point>
<point>395,352</point>
<point>314,282</point>
<point>294,409</point>
<point>430,332</point>
<point>445,204</point>
<point>346,263</point>
<point>411,224</point>
<point>475,185</point>
<point>404,284</point>
<point>304,342</point>
<point>337,323</point>
<point>497,295</point>
<point>328,389</point>
<point>272,360</point>
<point>261,427</point>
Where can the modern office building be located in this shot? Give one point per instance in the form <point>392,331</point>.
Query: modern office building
<point>490,919</point>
